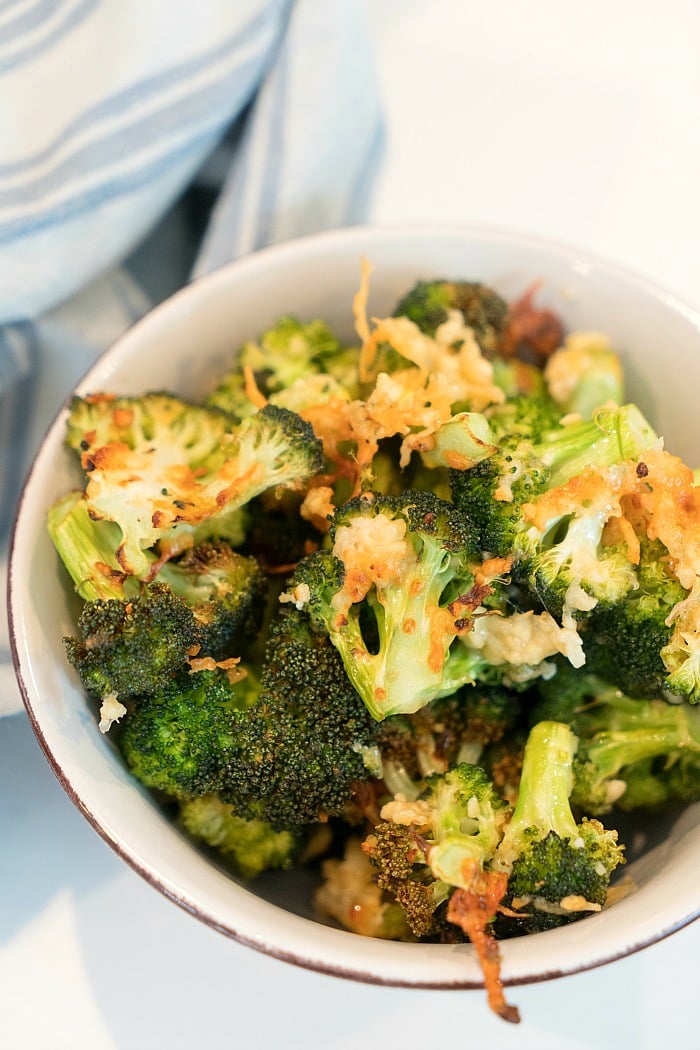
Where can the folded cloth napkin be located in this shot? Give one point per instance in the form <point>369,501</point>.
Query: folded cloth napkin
<point>116,117</point>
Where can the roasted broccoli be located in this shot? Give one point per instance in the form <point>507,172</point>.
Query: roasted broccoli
<point>289,363</point>
<point>251,845</point>
<point>557,868</point>
<point>225,590</point>
<point>625,642</point>
<point>167,472</point>
<point>429,302</point>
<point>392,594</point>
<point>131,646</point>
<point>132,636</point>
<point>420,611</point>
<point>546,504</point>
<point>179,738</point>
<point>632,752</point>
<point>306,740</point>
<point>438,849</point>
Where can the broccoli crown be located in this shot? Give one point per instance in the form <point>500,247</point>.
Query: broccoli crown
<point>225,590</point>
<point>550,508</point>
<point>498,524</point>
<point>128,647</point>
<point>530,416</point>
<point>289,352</point>
<point>179,738</point>
<point>574,571</point>
<point>624,642</point>
<point>556,867</point>
<point>553,880</point>
<point>466,819</point>
<point>401,870</point>
<point>251,845</point>
<point>306,740</point>
<point>422,850</point>
<point>188,468</point>
<point>152,421</point>
<point>428,302</point>
<point>534,456</point>
<point>392,594</point>
<point>514,472</point>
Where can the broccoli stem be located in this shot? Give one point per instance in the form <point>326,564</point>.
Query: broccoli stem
<point>546,784</point>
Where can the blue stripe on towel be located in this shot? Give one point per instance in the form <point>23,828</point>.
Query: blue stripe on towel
<point>153,128</point>
<point>145,89</point>
<point>73,19</point>
<point>7,5</point>
<point>109,190</point>
<point>29,18</point>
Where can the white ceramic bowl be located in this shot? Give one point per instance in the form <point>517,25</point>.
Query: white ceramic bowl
<point>181,346</point>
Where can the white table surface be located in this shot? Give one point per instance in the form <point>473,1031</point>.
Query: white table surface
<point>577,121</point>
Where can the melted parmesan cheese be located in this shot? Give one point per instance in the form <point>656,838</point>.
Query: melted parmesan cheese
<point>524,639</point>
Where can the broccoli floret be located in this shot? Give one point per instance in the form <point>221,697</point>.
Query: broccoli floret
<point>632,740</point>
<point>251,845</point>
<point>584,374</point>
<point>225,590</point>
<point>624,642</point>
<point>434,841</point>
<point>546,504</point>
<point>631,751</point>
<point>189,469</point>
<point>130,646</point>
<point>438,849</point>
<point>392,594</point>
<point>557,869</point>
<point>283,357</point>
<point>196,606</point>
<point>428,304</point>
<point>178,739</point>
<point>306,740</point>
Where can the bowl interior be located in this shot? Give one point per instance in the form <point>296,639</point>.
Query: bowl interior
<point>182,346</point>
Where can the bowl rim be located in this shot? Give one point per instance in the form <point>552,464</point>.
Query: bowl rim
<point>282,252</point>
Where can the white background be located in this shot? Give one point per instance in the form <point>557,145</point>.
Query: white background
<point>577,121</point>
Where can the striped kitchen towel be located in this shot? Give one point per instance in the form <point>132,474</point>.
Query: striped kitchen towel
<point>114,114</point>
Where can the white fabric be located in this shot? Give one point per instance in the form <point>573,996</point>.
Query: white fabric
<point>109,109</point>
